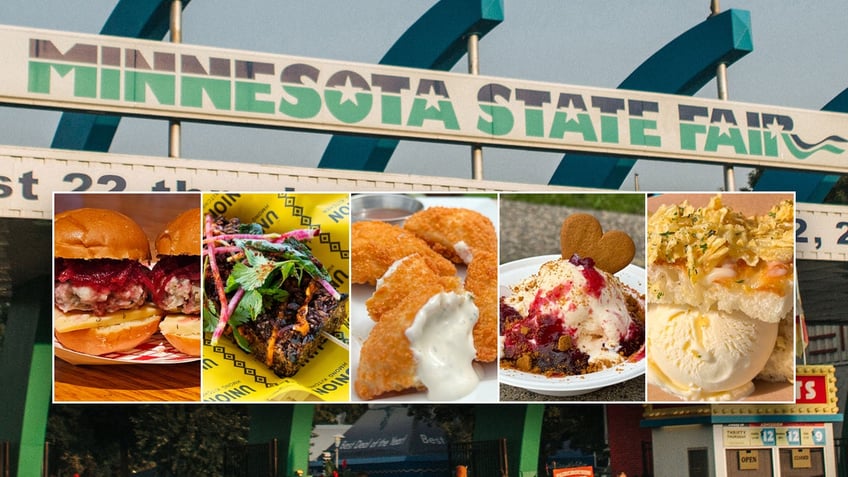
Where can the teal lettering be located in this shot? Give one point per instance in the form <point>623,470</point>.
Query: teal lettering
<point>609,129</point>
<point>348,111</point>
<point>391,106</point>
<point>217,90</point>
<point>84,77</point>
<point>716,139</point>
<point>501,122</point>
<point>444,113</point>
<point>534,122</point>
<point>534,117</point>
<point>161,85</point>
<point>771,143</point>
<point>689,135</point>
<point>110,83</point>
<point>755,142</point>
<point>638,137</point>
<point>307,102</point>
<point>582,125</point>
<point>390,109</point>
<point>246,97</point>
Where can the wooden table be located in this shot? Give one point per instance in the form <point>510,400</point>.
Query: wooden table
<point>126,382</point>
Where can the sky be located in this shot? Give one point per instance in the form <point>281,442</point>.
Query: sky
<point>799,60</point>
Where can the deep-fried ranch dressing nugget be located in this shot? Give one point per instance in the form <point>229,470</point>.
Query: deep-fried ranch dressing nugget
<point>376,245</point>
<point>481,280</point>
<point>409,276</point>
<point>454,232</point>
<point>386,361</point>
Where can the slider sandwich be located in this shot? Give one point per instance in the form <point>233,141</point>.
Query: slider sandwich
<point>176,281</point>
<point>101,282</point>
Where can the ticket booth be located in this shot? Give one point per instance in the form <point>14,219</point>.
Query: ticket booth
<point>796,449</point>
<point>750,440</point>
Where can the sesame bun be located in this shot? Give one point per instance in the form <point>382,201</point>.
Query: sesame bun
<point>181,236</point>
<point>90,233</point>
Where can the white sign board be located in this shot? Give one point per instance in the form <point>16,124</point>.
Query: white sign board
<point>821,232</point>
<point>29,176</point>
<point>43,68</point>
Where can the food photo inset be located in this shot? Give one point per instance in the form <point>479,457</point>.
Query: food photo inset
<point>275,299</point>
<point>721,296</point>
<point>176,281</point>
<point>572,300</point>
<point>112,290</point>
<point>424,303</point>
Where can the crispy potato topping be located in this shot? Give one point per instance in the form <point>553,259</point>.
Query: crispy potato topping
<point>708,237</point>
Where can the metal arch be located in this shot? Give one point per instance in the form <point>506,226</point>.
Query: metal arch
<point>148,20</point>
<point>436,41</point>
<point>683,66</point>
<point>810,187</point>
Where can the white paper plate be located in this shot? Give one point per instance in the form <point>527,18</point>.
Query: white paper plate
<point>512,273</point>
<point>360,324</point>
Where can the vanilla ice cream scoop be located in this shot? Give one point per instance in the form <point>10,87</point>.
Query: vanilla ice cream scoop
<point>706,355</point>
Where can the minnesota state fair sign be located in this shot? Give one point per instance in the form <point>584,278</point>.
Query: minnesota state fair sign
<point>158,79</point>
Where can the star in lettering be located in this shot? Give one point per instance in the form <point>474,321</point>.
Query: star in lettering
<point>572,111</point>
<point>774,128</point>
<point>348,92</point>
<point>432,99</point>
<point>723,126</point>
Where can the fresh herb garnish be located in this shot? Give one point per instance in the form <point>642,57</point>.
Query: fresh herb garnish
<point>263,262</point>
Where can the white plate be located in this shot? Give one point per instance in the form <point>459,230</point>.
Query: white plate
<point>156,350</point>
<point>512,273</point>
<point>360,324</point>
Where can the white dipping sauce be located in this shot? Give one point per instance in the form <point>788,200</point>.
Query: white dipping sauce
<point>443,346</point>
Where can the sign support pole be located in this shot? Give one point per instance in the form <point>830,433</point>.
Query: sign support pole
<point>174,126</point>
<point>474,69</point>
<point>721,83</point>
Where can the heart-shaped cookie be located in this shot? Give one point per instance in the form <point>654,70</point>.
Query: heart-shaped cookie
<point>582,234</point>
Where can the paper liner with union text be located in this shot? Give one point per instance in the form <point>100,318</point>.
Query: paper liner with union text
<point>232,375</point>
